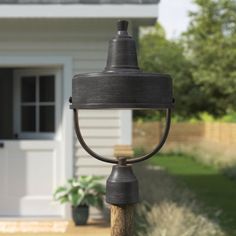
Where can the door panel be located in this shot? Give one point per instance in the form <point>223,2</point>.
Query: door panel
<point>27,170</point>
<point>31,164</point>
<point>29,177</point>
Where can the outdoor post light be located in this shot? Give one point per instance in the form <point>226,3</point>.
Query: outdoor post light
<point>122,85</point>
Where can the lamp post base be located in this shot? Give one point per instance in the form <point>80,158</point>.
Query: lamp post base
<point>122,193</point>
<point>122,186</point>
<point>122,220</point>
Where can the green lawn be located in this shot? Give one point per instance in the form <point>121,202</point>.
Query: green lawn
<point>212,188</point>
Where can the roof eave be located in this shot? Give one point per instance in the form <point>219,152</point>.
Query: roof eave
<point>146,13</point>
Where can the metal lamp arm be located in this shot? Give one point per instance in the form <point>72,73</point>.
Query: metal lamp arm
<point>132,160</point>
<point>161,143</point>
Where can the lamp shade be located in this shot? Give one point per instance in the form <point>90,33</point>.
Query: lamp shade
<point>122,85</point>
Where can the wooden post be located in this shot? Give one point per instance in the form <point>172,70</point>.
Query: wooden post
<point>122,216</point>
<point>122,220</point>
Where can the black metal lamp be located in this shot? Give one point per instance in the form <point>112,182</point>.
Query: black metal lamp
<point>122,85</point>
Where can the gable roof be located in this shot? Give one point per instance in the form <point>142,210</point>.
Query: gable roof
<point>79,1</point>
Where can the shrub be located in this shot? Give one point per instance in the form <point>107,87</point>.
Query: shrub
<point>230,117</point>
<point>230,171</point>
<point>169,208</point>
<point>171,219</point>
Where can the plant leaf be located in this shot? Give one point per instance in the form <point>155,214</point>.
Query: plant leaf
<point>60,190</point>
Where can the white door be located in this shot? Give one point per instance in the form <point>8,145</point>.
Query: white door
<point>30,163</point>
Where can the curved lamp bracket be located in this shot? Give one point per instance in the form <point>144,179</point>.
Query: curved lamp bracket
<point>122,160</point>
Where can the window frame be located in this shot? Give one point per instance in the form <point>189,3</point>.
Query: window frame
<point>18,74</point>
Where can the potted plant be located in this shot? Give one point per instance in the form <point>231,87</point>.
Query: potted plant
<point>81,193</point>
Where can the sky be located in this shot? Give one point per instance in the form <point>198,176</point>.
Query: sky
<point>173,15</point>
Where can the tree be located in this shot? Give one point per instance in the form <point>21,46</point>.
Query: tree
<point>157,54</point>
<point>211,46</point>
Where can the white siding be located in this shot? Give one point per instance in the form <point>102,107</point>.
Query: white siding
<point>86,42</point>
<point>101,131</point>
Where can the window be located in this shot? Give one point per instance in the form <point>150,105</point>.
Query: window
<point>36,105</point>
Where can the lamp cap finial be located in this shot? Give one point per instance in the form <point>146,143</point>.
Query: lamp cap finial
<point>122,25</point>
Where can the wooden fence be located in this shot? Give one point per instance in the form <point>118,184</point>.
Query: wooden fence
<point>216,135</point>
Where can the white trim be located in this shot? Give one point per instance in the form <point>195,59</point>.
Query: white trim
<point>112,11</point>
<point>67,135</point>
<point>126,127</point>
<point>66,116</point>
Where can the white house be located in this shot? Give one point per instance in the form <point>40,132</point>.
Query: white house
<point>43,43</point>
